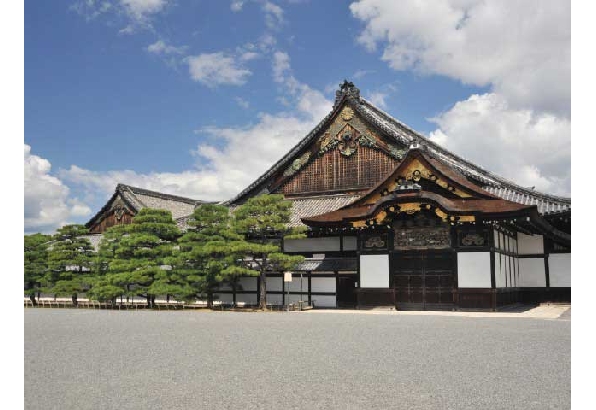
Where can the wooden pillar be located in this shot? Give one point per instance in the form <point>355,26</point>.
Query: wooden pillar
<point>258,290</point>
<point>309,288</point>
<point>336,286</point>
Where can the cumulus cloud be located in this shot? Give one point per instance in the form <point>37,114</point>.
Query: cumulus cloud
<point>160,47</point>
<point>378,99</point>
<point>213,69</point>
<point>231,157</point>
<point>274,15</point>
<point>522,50</point>
<point>138,12</point>
<point>141,9</point>
<point>532,149</point>
<point>47,205</point>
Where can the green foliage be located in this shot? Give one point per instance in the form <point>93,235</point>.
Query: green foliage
<point>133,259</point>
<point>208,253</point>
<point>264,221</point>
<point>69,261</point>
<point>36,261</point>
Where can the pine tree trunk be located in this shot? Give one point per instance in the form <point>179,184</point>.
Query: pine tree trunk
<point>32,299</point>
<point>209,299</point>
<point>263,291</point>
<point>74,300</point>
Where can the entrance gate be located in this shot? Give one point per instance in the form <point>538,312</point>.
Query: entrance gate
<point>424,280</point>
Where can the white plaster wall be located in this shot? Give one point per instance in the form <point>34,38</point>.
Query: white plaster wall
<point>312,244</point>
<point>297,297</point>
<point>374,271</point>
<point>499,271</point>
<point>350,243</point>
<point>324,301</point>
<point>274,284</point>
<point>248,298</point>
<point>559,269</point>
<point>511,271</point>
<point>530,244</point>
<point>248,283</point>
<point>496,239</point>
<point>274,298</point>
<point>295,283</point>
<point>473,269</point>
<point>532,272</point>
<point>322,284</point>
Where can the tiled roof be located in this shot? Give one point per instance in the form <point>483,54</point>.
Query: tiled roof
<point>456,206</point>
<point>312,206</point>
<point>139,198</point>
<point>546,204</point>
<point>328,264</point>
<point>406,135</point>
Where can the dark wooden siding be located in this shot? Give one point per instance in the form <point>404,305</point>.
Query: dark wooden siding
<point>108,220</point>
<point>334,172</point>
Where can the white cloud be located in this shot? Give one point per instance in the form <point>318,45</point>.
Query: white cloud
<point>361,73</point>
<point>378,99</point>
<point>46,198</point>
<point>242,102</point>
<point>138,13</point>
<point>140,10</point>
<point>249,55</point>
<point>521,49</point>
<point>236,5</point>
<point>213,69</point>
<point>232,157</point>
<point>280,64</point>
<point>274,15</point>
<point>523,146</point>
<point>160,47</point>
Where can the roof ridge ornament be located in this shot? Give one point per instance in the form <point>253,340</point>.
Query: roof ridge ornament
<point>415,144</point>
<point>346,88</point>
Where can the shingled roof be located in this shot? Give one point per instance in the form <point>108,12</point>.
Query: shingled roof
<point>398,131</point>
<point>139,198</point>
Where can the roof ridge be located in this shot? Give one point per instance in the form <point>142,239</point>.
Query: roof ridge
<point>142,191</point>
<point>295,149</point>
<point>477,168</point>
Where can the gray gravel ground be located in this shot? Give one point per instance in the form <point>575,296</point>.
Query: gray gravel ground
<point>85,359</point>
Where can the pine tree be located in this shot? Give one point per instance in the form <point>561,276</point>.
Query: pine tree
<point>140,255</point>
<point>36,263</point>
<point>207,254</point>
<point>104,287</point>
<point>264,220</point>
<point>69,262</point>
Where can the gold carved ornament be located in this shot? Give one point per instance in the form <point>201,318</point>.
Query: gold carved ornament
<point>411,208</point>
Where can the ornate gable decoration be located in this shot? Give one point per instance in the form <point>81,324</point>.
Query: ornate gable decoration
<point>119,209</point>
<point>346,134</point>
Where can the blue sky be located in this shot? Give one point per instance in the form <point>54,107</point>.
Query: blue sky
<point>199,98</point>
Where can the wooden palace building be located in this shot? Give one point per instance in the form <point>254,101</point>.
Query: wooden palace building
<point>394,220</point>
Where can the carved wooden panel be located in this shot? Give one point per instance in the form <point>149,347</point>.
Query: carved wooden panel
<point>336,171</point>
<point>374,241</point>
<point>438,237</point>
<point>473,238</point>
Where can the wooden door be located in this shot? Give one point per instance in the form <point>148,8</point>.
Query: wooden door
<point>346,292</point>
<point>424,280</point>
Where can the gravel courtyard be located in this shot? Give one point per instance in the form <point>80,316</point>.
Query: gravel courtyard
<point>85,359</point>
